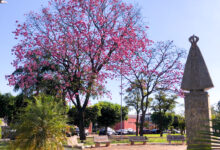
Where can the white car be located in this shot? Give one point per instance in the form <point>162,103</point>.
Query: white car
<point>176,131</point>
<point>131,131</point>
<point>122,131</point>
<point>86,131</point>
<point>110,131</point>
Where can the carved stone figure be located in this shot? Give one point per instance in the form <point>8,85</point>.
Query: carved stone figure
<point>196,80</point>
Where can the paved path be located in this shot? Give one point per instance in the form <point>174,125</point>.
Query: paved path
<point>141,147</point>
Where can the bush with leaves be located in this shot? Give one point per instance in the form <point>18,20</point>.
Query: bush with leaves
<point>179,123</point>
<point>42,126</point>
<point>91,114</point>
<point>163,121</point>
<point>163,104</point>
<point>11,106</point>
<point>110,114</point>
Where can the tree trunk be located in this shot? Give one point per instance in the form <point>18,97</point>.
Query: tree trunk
<point>161,133</point>
<point>181,131</point>
<point>137,120</point>
<point>142,123</point>
<point>161,126</point>
<point>106,130</point>
<point>81,125</point>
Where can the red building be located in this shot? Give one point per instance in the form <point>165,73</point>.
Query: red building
<point>131,123</point>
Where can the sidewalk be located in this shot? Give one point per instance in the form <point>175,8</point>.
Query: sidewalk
<point>141,147</point>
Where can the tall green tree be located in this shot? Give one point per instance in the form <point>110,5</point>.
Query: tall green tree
<point>110,114</point>
<point>91,115</point>
<point>182,125</point>
<point>11,106</point>
<point>161,105</point>
<point>41,126</point>
<point>160,70</point>
<point>6,101</point>
<point>215,110</point>
<point>163,121</point>
<point>133,100</point>
<point>179,123</point>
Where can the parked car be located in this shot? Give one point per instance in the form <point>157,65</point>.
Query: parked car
<point>175,131</point>
<point>155,131</point>
<point>167,131</point>
<point>122,131</point>
<point>110,131</point>
<point>76,132</point>
<point>146,131</point>
<point>131,131</point>
<point>8,133</point>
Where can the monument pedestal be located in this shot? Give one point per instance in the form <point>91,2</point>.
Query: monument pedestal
<point>198,116</point>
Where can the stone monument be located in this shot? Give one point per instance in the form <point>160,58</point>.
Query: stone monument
<point>196,80</point>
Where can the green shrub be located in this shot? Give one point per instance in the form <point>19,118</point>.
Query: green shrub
<point>42,126</point>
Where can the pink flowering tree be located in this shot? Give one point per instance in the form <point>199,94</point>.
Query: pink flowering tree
<point>158,69</point>
<point>74,46</point>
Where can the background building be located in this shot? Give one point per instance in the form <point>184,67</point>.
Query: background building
<point>131,123</point>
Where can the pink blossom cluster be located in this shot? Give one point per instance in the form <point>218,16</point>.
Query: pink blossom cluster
<point>81,43</point>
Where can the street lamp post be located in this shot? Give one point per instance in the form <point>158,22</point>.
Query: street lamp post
<point>121,95</point>
<point>121,104</point>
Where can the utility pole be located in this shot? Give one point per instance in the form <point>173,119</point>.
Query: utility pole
<point>121,104</point>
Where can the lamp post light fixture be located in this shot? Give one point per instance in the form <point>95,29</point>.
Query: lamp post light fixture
<point>3,2</point>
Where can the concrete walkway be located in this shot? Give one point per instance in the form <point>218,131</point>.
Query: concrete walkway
<point>141,147</point>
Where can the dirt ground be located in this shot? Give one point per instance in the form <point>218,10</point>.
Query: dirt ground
<point>141,147</point>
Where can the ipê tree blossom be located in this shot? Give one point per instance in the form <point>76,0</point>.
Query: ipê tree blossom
<point>76,45</point>
<point>160,69</point>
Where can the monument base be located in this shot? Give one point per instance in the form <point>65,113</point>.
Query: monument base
<point>198,119</point>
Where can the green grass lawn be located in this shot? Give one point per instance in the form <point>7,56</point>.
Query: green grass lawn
<point>152,138</point>
<point>3,145</point>
<point>155,135</point>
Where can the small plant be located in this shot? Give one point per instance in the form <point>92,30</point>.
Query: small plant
<point>42,126</point>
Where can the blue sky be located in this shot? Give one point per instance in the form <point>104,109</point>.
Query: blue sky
<point>168,20</point>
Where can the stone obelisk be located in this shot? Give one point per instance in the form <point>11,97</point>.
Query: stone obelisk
<point>196,80</point>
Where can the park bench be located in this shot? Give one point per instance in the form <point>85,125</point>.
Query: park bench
<point>138,139</point>
<point>101,139</point>
<point>175,138</point>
